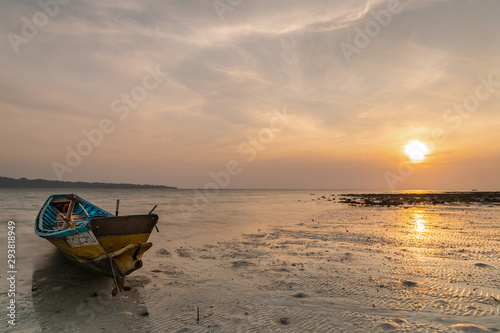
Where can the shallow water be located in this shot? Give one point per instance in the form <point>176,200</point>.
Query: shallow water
<point>248,259</point>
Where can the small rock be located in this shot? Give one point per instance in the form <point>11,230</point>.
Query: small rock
<point>284,321</point>
<point>300,295</point>
<point>408,283</point>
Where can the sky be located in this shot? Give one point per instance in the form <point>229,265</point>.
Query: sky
<point>296,94</point>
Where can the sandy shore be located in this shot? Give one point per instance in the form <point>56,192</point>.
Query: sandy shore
<point>355,269</point>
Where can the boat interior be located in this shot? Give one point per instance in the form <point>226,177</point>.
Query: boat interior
<point>68,211</point>
<point>67,214</point>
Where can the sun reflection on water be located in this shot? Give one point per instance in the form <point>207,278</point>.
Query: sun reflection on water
<point>420,222</point>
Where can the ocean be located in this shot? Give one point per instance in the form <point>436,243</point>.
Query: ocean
<point>264,261</point>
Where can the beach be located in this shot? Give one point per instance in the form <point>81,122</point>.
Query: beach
<point>271,261</point>
<point>250,166</point>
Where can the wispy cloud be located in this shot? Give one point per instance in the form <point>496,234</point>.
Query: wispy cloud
<point>226,77</point>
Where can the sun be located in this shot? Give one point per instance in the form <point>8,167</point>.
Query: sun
<point>416,150</point>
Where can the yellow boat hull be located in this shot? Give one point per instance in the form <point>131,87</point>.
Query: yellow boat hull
<point>107,257</point>
<point>112,246</point>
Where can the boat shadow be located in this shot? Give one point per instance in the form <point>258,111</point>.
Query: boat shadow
<point>66,297</point>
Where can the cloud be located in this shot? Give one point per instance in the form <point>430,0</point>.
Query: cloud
<point>226,78</point>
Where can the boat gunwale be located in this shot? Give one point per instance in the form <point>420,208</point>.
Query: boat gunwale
<point>82,226</point>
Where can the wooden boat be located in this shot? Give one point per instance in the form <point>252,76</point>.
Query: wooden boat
<point>93,238</point>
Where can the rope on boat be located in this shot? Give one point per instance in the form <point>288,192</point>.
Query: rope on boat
<point>119,292</point>
<point>117,287</point>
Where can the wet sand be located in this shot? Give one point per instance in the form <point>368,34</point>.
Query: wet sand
<point>418,268</point>
<point>371,269</point>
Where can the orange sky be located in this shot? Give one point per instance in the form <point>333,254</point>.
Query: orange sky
<point>290,94</point>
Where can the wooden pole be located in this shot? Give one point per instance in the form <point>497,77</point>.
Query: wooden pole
<point>117,205</point>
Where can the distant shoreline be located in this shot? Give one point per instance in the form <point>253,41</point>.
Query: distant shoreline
<point>6,182</point>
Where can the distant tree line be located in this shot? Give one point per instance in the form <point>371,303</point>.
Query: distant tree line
<point>6,182</point>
